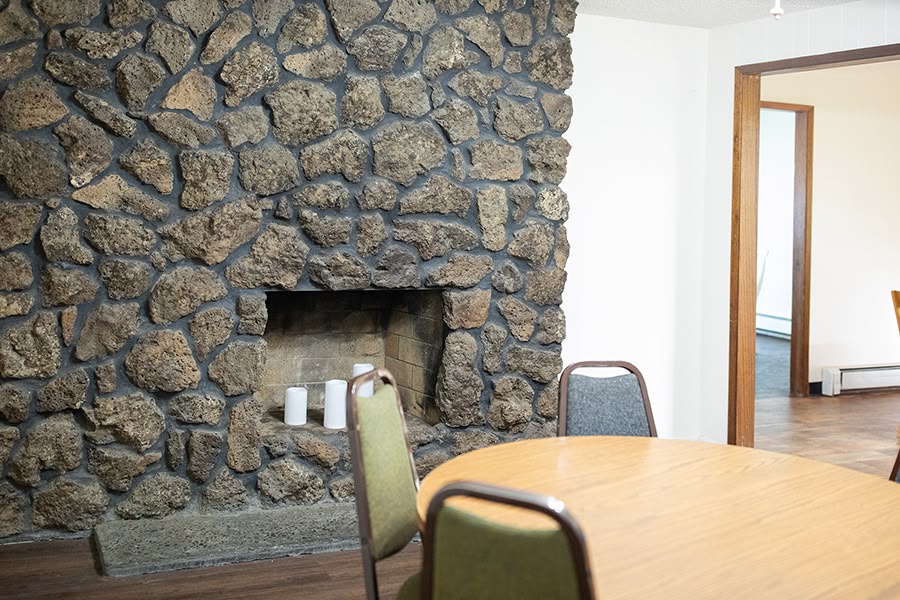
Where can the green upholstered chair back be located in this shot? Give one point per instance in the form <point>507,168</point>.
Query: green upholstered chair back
<point>604,405</point>
<point>384,473</point>
<point>468,557</point>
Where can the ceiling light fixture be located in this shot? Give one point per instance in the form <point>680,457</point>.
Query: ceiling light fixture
<point>777,11</point>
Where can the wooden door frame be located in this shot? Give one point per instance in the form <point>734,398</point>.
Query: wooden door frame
<point>745,178</point>
<point>802,231</point>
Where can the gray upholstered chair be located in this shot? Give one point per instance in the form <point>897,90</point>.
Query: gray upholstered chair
<point>384,477</point>
<point>470,557</point>
<point>895,472</point>
<point>604,405</point>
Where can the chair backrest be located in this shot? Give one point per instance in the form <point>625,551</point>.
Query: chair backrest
<point>469,557</point>
<point>895,296</point>
<point>617,405</point>
<point>895,472</point>
<point>384,472</point>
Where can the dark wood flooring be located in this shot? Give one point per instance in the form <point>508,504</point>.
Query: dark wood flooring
<point>65,570</point>
<point>852,430</point>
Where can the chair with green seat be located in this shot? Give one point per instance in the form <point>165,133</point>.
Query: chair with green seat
<point>384,477</point>
<point>470,557</point>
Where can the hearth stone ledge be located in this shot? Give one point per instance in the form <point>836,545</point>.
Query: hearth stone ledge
<point>200,540</point>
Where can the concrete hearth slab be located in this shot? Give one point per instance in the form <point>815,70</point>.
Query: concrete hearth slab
<point>200,540</point>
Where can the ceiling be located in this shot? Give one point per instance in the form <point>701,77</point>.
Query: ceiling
<point>696,13</point>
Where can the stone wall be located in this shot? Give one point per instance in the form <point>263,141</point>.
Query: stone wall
<point>164,164</point>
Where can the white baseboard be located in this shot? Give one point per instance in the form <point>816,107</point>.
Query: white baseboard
<point>866,377</point>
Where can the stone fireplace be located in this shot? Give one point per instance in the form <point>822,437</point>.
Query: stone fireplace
<point>195,191</point>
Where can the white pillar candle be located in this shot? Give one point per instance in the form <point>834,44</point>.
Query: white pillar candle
<point>295,406</point>
<point>368,388</point>
<point>335,404</point>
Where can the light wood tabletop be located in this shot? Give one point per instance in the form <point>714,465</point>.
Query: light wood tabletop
<point>682,519</point>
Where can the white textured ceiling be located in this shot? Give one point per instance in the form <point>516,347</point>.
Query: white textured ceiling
<point>696,13</point>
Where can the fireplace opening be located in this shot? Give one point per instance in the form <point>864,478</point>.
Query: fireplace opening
<point>319,335</point>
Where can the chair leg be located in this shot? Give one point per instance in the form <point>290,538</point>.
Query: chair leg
<point>369,574</point>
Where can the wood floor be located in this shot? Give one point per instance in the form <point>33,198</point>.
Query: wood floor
<point>65,570</point>
<point>855,430</point>
<point>852,430</point>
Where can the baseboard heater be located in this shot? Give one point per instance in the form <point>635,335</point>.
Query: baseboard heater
<point>844,379</point>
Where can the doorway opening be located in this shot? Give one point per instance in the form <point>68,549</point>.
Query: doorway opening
<point>784,204</point>
<point>742,351</point>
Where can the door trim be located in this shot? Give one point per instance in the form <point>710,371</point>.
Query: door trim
<point>745,173</point>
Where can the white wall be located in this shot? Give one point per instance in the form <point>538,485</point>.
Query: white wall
<point>775,229</point>
<point>856,210</point>
<point>634,178</point>
<point>673,320</point>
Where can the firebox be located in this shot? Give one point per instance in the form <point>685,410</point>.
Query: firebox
<point>316,336</point>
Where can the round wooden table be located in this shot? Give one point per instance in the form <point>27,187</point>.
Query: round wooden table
<point>681,519</point>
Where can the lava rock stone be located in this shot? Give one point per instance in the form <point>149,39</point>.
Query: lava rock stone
<point>180,292</point>
<point>248,71</point>
<point>247,125</point>
<point>52,443</point>
<point>117,468</point>
<point>68,391</point>
<point>224,38</point>
<point>137,77</point>
<point>155,497</point>
<point>459,385</point>
<point>302,111</point>
<point>276,258</point>
<point>305,26</point>
<point>244,436</point>
<point>434,238</point>
<point>32,169</point>
<point>113,119</point>
<point>30,104</point>
<point>268,169</point>
<point>134,419</point>
<point>118,235</point>
<point>349,15</point>
<point>404,150</point>
<point>31,349</point>
<point>213,234</point>
<point>287,482</point>
<point>345,153</point>
<point>106,330</point>
<point>161,360</point>
<point>238,369</point>
<point>210,328</point>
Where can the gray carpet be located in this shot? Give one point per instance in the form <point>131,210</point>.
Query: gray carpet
<point>773,367</point>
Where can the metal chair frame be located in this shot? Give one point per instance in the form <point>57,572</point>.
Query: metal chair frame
<point>564,390</point>
<point>359,469</point>
<point>895,296</point>
<point>546,505</point>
